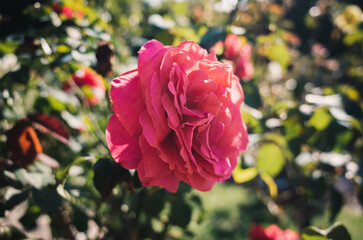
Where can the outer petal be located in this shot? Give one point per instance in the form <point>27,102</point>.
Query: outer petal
<point>148,51</point>
<point>153,171</point>
<point>124,147</point>
<point>237,95</point>
<point>127,101</point>
<point>200,183</point>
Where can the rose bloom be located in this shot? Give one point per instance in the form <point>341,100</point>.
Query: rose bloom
<point>273,232</point>
<point>240,54</point>
<point>90,83</point>
<point>177,117</point>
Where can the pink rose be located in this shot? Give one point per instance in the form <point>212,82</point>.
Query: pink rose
<point>272,232</point>
<point>240,54</point>
<point>177,117</point>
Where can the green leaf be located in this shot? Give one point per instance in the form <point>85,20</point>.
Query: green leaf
<point>292,127</point>
<point>155,202</point>
<point>16,199</point>
<point>320,119</point>
<point>336,203</point>
<point>252,94</point>
<point>2,209</point>
<point>211,37</point>
<point>48,200</point>
<point>279,53</point>
<point>360,194</point>
<point>29,218</point>
<point>313,233</point>
<point>107,173</point>
<point>181,213</point>
<point>336,232</point>
<point>270,159</point>
<point>8,46</point>
<point>355,124</point>
<point>55,103</point>
<point>80,219</point>
<point>63,173</point>
<point>103,178</point>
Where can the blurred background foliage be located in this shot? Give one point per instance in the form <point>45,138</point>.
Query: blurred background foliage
<point>303,109</point>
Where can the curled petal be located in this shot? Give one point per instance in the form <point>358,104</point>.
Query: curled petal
<point>123,146</point>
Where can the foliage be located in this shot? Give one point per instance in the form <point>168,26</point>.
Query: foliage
<point>303,109</point>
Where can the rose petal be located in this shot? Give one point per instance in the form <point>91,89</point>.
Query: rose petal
<point>153,171</point>
<point>200,183</point>
<point>148,51</point>
<point>193,50</point>
<point>155,109</point>
<point>127,101</point>
<point>220,73</point>
<point>124,147</point>
<point>154,166</point>
<point>235,135</point>
<point>237,95</point>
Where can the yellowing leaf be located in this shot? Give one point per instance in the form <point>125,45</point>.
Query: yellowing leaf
<point>244,175</point>
<point>270,183</point>
<point>278,53</point>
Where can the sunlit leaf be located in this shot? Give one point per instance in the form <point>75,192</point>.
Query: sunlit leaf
<point>313,233</point>
<point>244,175</point>
<point>278,53</point>
<point>270,159</point>
<point>270,183</point>
<point>320,119</point>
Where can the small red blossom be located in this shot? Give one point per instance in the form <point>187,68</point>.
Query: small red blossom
<point>240,53</point>
<point>67,11</point>
<point>23,144</point>
<point>87,79</point>
<point>273,232</point>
